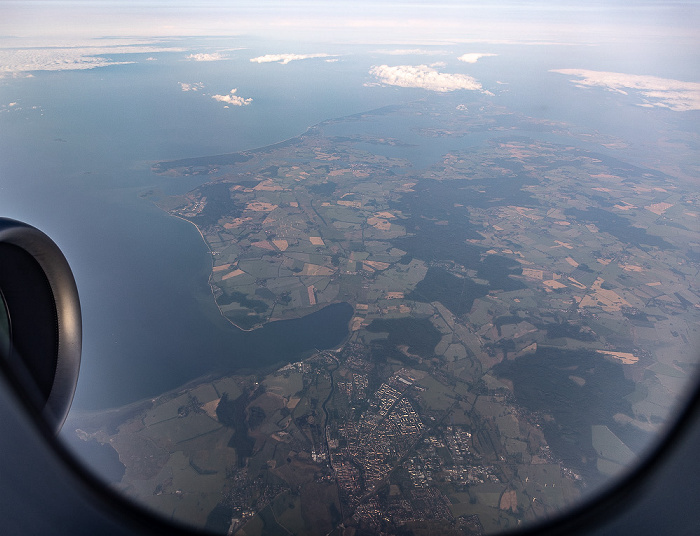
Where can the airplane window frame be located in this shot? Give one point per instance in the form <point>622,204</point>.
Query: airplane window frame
<point>587,514</point>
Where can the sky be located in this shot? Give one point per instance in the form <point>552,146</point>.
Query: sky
<point>360,21</point>
<point>54,35</point>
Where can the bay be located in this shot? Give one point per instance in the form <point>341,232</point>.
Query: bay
<point>76,165</point>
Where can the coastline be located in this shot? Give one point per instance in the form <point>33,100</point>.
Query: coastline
<point>211,271</point>
<point>83,417</point>
<point>258,150</point>
<point>211,287</point>
<point>113,416</point>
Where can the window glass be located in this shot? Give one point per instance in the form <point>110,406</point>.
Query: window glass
<point>395,267</point>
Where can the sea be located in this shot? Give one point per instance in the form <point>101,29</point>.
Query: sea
<point>76,151</point>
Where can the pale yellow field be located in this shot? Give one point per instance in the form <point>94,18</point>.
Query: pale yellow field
<point>268,186</point>
<point>210,408</point>
<point>659,208</point>
<point>631,268</point>
<point>375,265</point>
<point>551,283</point>
<point>379,223</point>
<point>281,244</point>
<point>264,244</point>
<point>623,357</point>
<point>236,223</point>
<point>354,204</point>
<point>608,300</point>
<point>260,206</point>
<point>533,274</point>
<point>316,269</point>
<point>232,274</point>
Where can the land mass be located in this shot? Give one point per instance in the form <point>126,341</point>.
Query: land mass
<point>525,316</point>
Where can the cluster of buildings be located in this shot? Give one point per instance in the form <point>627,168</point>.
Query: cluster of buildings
<point>366,450</point>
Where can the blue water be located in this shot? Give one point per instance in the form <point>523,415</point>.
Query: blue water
<point>75,166</point>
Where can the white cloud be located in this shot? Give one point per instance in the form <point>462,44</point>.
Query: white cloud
<point>284,59</point>
<point>15,107</point>
<point>214,56</point>
<point>668,93</point>
<point>331,60</point>
<point>424,77</point>
<point>23,60</point>
<point>473,57</point>
<point>232,98</point>
<point>392,23</point>
<point>196,86</point>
